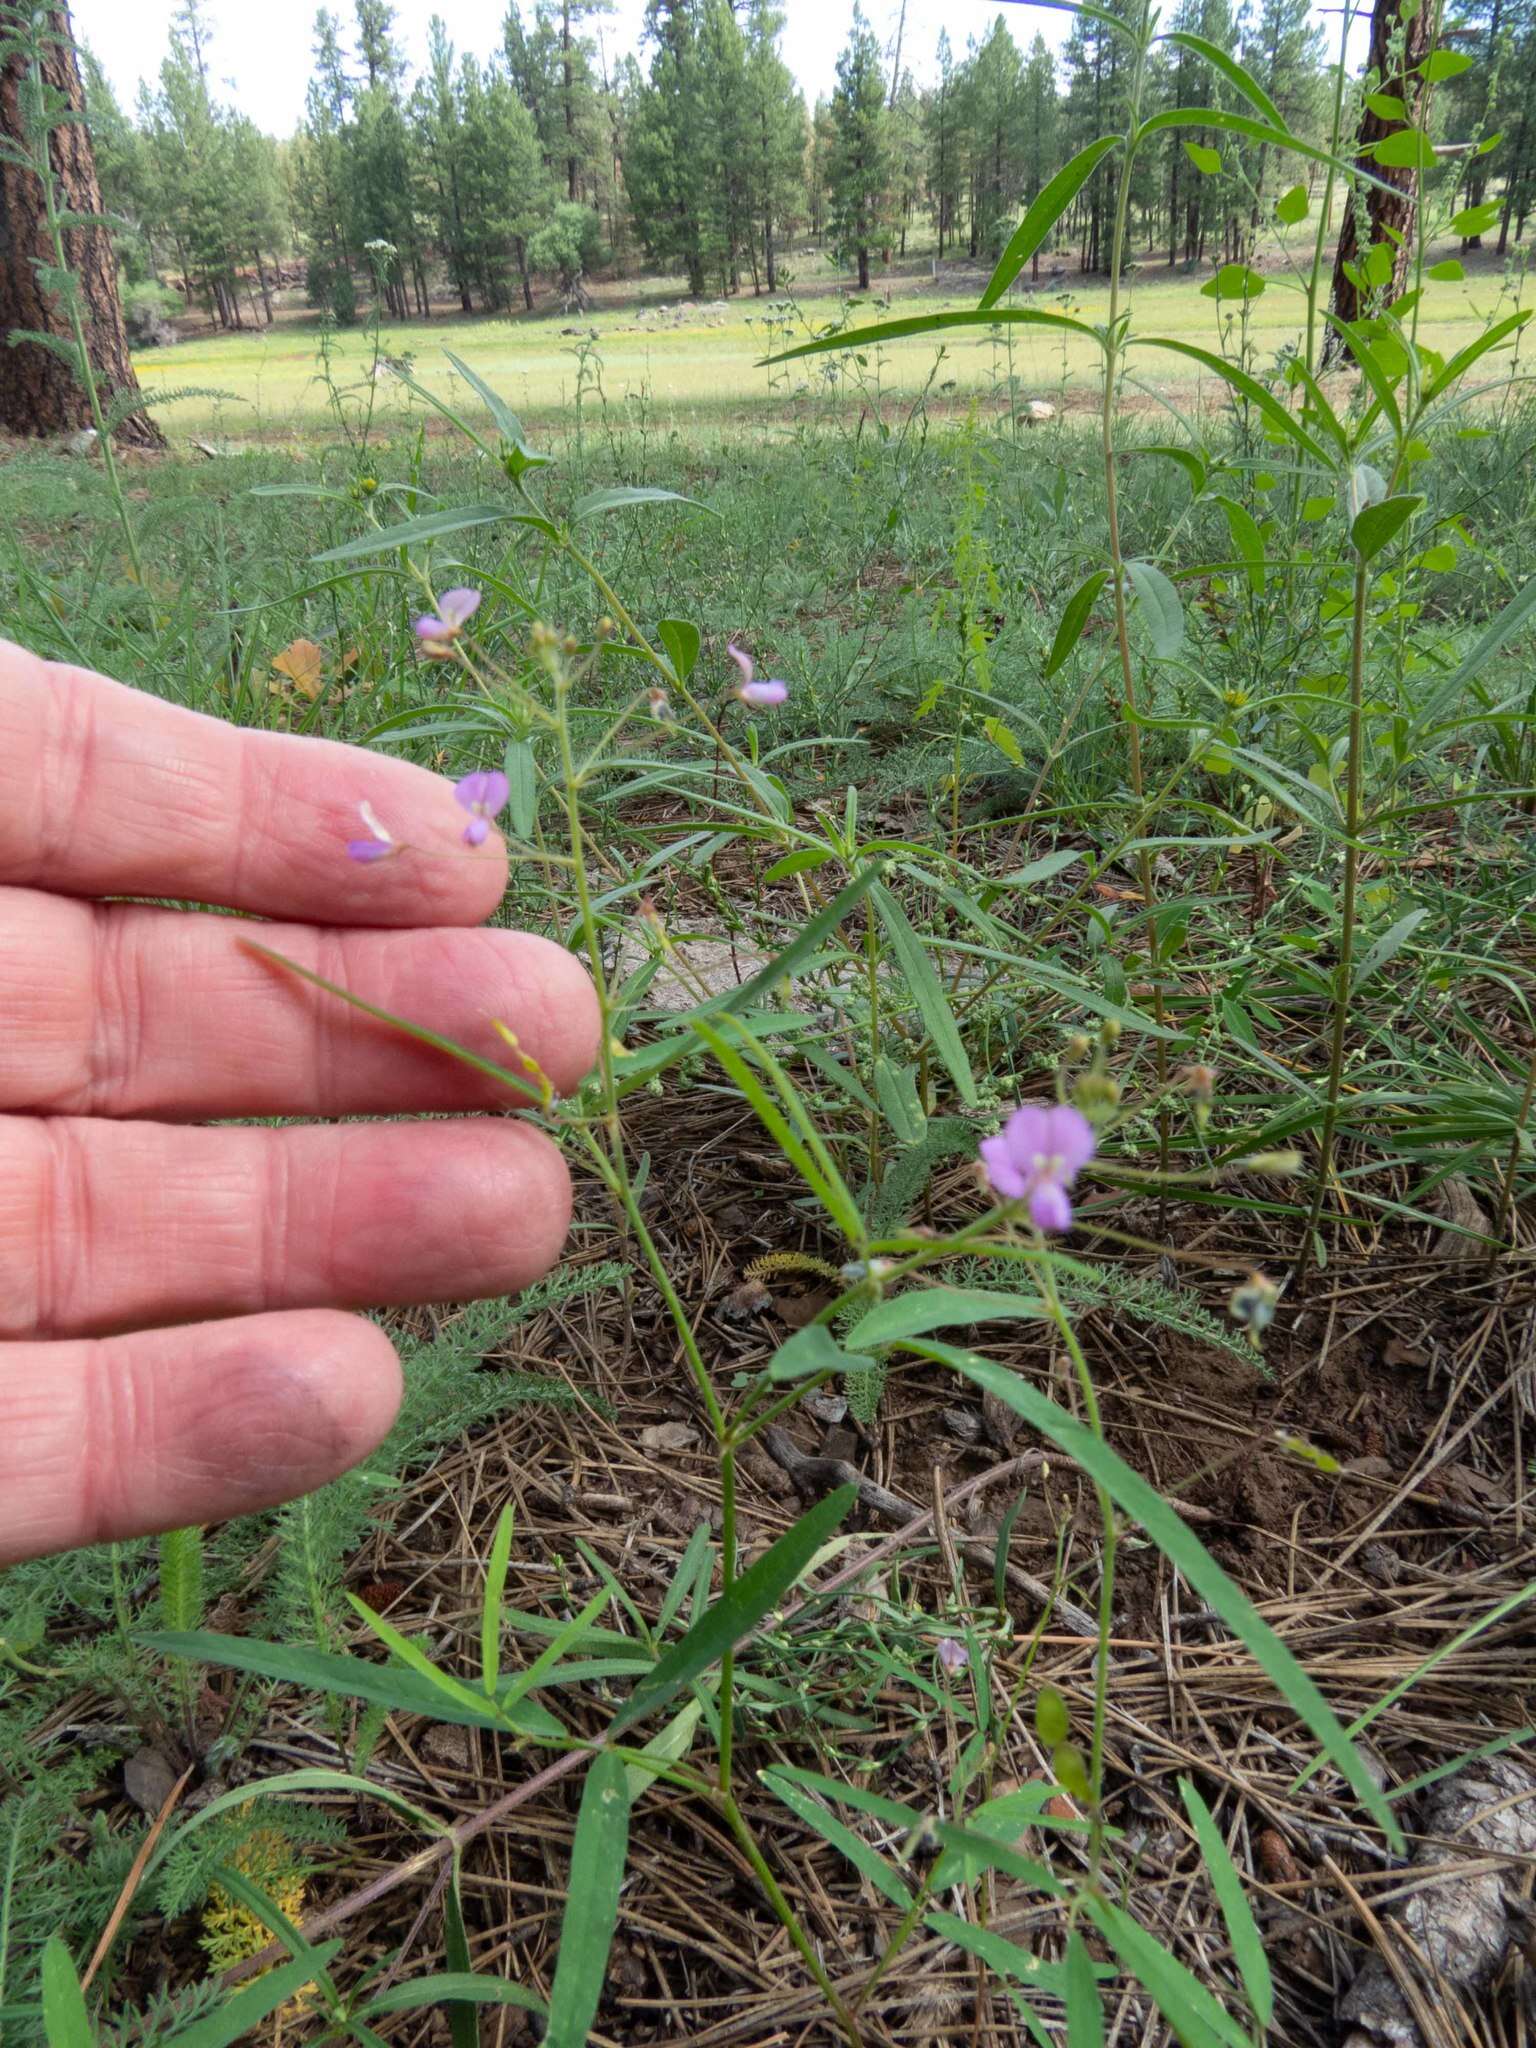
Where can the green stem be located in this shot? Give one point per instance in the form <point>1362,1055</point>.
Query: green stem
<point>1344,970</point>
<point>1128,708</point>
<point>736,1822</point>
<point>727,1580</point>
<point>1106,1610</point>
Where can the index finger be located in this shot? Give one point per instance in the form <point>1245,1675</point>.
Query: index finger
<point>107,791</point>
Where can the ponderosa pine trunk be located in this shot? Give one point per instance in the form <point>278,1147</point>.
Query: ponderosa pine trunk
<point>39,393</point>
<point>1400,78</point>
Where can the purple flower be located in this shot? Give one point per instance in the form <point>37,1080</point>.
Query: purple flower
<point>1036,1157</point>
<point>455,608</point>
<point>380,843</point>
<point>771,690</point>
<point>954,1656</point>
<point>482,794</point>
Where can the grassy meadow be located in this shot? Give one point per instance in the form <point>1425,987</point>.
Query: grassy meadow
<point>704,373</point>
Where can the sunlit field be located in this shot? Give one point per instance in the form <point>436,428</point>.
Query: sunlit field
<point>706,371</point>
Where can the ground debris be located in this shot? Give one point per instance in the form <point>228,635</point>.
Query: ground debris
<point>1450,1937</point>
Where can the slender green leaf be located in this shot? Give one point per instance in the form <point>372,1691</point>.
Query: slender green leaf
<point>865,1859</point>
<point>1459,364</point>
<point>788,1124</point>
<point>1242,1930</point>
<point>1246,387</point>
<point>269,1914</point>
<point>1006,1957</point>
<point>1045,869</point>
<point>591,1915</point>
<point>618,496</point>
<point>922,1309</point>
<point>737,1612</point>
<point>412,533</point>
<point>668,1746</point>
<point>1195,2016</point>
<point>927,991</point>
<point>243,2013</point>
<point>384,1685</point>
<point>936,323</point>
<point>317,1779</point>
<point>813,1349</point>
<point>521,771</point>
<point>1246,538</point>
<point>805,946</point>
<point>66,2021</point>
<point>465,1987</point>
<point>1085,2009</point>
<point>508,425</point>
<point>1509,621</point>
<point>1236,76</point>
<point>491,1599</point>
<point>1048,207</point>
<point>1184,1550</point>
<point>1387,947</point>
<point>1074,619</point>
<point>463,2020</point>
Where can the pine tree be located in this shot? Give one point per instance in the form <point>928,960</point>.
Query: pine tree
<point>41,99</point>
<point>859,163</point>
<point>774,139</point>
<point>995,106</point>
<point>940,117</point>
<point>669,160</point>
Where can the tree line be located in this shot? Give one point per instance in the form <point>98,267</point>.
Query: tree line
<point>550,157</point>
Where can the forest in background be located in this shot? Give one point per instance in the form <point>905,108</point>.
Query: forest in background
<point>492,176</point>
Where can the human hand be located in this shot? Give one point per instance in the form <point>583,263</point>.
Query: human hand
<point>123,1226</point>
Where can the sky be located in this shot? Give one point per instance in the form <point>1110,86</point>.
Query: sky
<point>261,50</point>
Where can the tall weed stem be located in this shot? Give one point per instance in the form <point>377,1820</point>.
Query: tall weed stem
<point>1343,974</point>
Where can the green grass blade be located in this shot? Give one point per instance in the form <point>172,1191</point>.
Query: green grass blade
<point>1195,2016</point>
<point>466,1987</point>
<point>355,1678</point>
<point>463,2020</point>
<point>866,1860</point>
<point>491,1599</point>
<point>921,977</point>
<point>248,2008</point>
<point>790,1127</point>
<point>592,1902</point>
<point>1182,1548</point>
<point>1242,1930</point>
<point>739,1611</point>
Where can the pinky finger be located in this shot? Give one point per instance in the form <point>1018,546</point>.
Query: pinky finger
<point>122,1436</point>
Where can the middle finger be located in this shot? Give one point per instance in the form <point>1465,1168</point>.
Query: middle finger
<point>128,1011</point>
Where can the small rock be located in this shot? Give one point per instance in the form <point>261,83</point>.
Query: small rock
<point>147,1779</point>
<point>668,1436</point>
